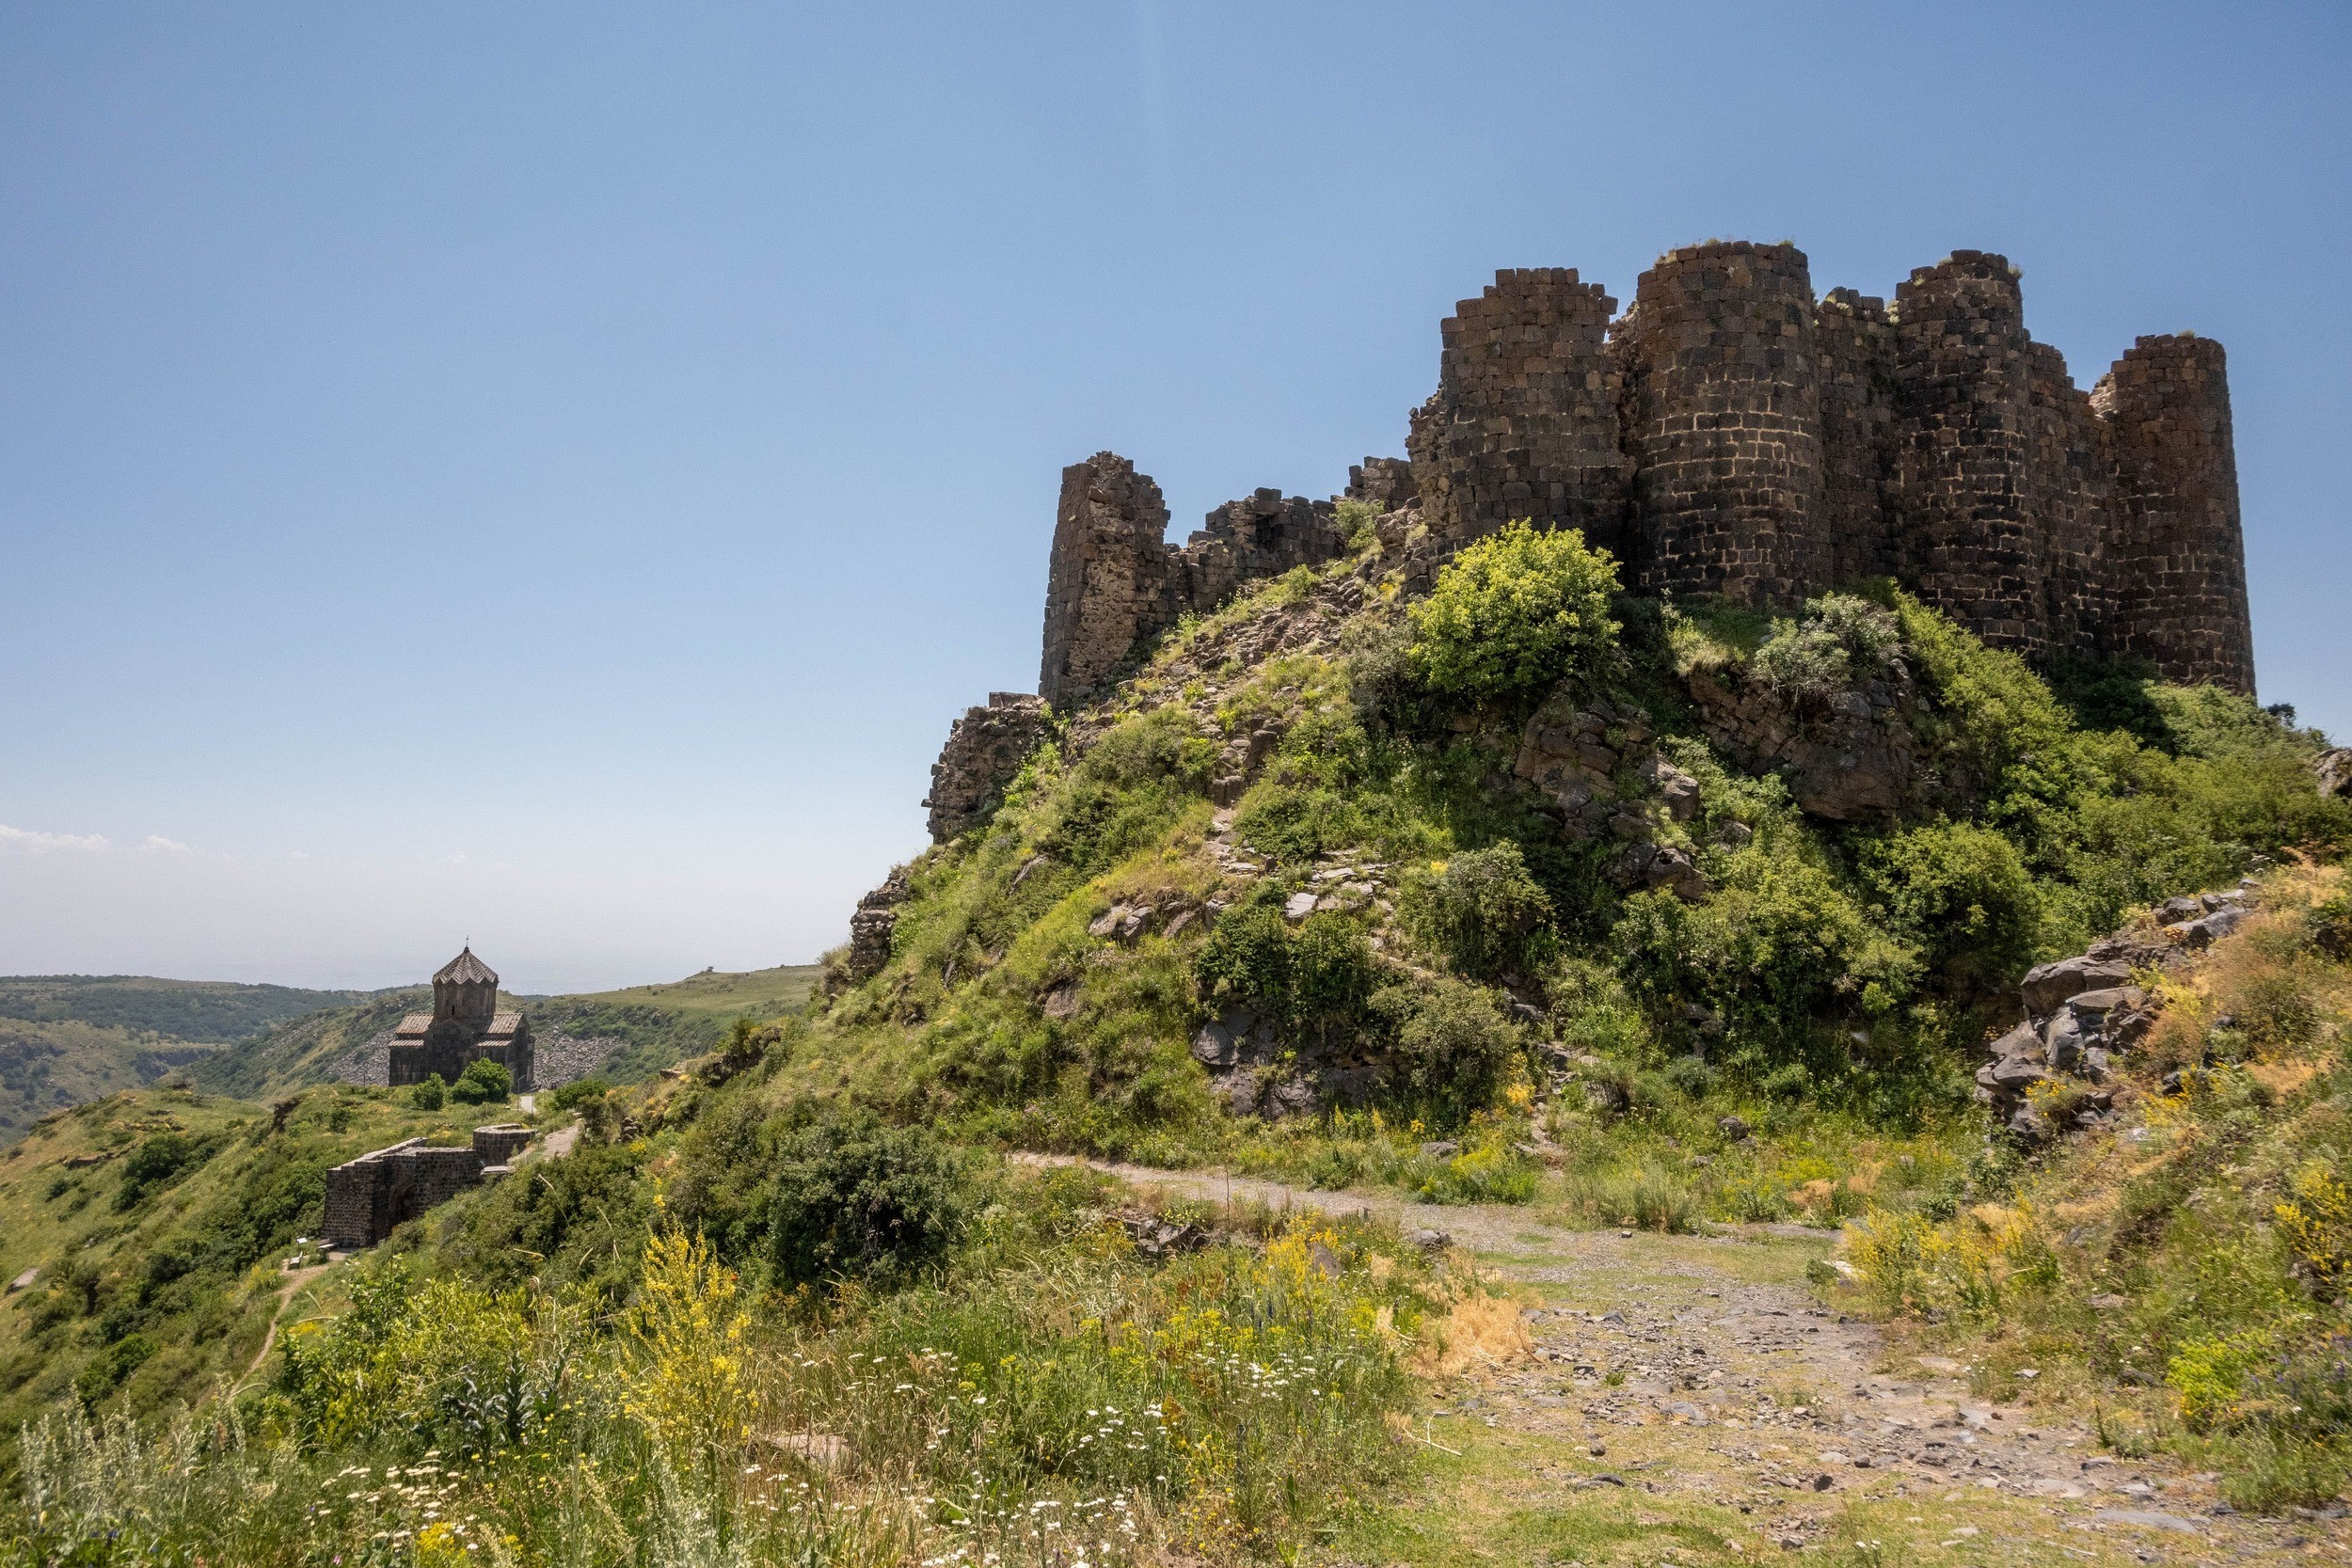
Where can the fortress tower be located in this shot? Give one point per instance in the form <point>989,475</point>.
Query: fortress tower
<point>1723,424</point>
<point>2178,550</point>
<point>1732,436</point>
<point>1524,419</point>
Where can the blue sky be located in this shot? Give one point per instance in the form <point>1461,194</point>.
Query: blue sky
<point>550,474</point>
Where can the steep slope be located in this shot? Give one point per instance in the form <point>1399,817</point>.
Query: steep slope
<point>1711,912</point>
<point>65,1062</point>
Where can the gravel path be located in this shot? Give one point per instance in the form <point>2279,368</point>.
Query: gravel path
<point>1702,1369</point>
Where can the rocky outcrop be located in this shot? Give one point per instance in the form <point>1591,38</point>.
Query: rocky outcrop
<point>2054,1072</point>
<point>1846,755</point>
<point>1593,766</point>
<point>1255,1071</point>
<point>985,748</point>
<point>2333,769</point>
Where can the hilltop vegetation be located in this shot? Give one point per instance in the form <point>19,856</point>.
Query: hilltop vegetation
<point>1504,871</point>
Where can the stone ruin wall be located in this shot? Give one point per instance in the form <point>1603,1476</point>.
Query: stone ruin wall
<point>368,1196</point>
<point>1732,435</point>
<point>1114,580</point>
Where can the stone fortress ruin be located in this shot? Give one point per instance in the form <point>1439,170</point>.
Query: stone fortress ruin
<point>366,1197</point>
<point>1729,434</point>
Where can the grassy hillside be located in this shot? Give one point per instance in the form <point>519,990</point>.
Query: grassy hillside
<point>304,1051</point>
<point>65,1062</point>
<point>158,1220</point>
<point>2183,1274</point>
<point>1513,888</point>
<point>1502,910</point>
<point>661,1024</point>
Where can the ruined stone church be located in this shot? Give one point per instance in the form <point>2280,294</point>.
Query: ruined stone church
<point>465,1026</point>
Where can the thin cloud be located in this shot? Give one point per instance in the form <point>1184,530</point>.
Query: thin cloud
<point>21,838</point>
<point>159,844</point>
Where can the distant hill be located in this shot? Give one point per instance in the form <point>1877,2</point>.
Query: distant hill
<point>66,1040</point>
<point>200,1012</point>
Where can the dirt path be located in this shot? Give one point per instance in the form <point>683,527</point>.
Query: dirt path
<point>1691,1396</point>
<point>295,1280</point>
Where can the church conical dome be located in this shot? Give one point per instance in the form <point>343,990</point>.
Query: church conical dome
<point>465,970</point>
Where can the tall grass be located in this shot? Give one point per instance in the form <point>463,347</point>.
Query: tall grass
<point>1057,1404</point>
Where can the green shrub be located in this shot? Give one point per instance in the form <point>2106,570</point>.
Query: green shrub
<point>1839,639</point>
<point>1454,1049</point>
<point>1312,982</point>
<point>1515,613</point>
<point>1963,896</point>
<point>155,1164</point>
<point>431,1095</point>
<point>1484,911</point>
<point>578,1091</point>
<point>858,1199</point>
<point>483,1083</point>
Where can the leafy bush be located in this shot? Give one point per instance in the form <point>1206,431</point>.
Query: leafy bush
<point>483,1083</point>
<point>1313,981</point>
<point>578,1091</point>
<point>1838,641</point>
<point>854,1198</point>
<point>1484,911</point>
<point>155,1164</point>
<point>1454,1049</point>
<point>1963,896</point>
<point>431,1095</point>
<point>1515,612</point>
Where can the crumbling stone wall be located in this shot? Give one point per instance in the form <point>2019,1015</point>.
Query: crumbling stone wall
<point>386,1187</point>
<point>1107,582</point>
<point>1724,424</point>
<point>1385,482</point>
<point>985,748</point>
<point>2181,582</point>
<point>1524,419</point>
<point>1114,579</point>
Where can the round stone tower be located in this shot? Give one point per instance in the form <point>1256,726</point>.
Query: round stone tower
<point>1968,542</point>
<point>1725,424</point>
<point>2177,561</point>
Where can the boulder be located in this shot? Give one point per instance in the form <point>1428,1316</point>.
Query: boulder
<point>2047,985</point>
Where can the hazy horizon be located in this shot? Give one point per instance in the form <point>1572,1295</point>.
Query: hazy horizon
<point>550,476</point>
